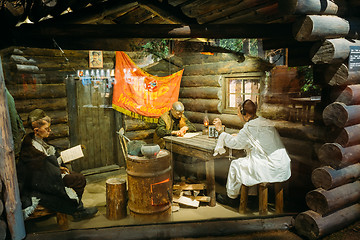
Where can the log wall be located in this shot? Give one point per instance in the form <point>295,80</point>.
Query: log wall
<point>334,202</point>
<point>47,79</point>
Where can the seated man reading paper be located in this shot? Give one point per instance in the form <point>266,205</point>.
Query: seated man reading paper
<point>266,159</point>
<point>43,177</point>
<point>175,123</point>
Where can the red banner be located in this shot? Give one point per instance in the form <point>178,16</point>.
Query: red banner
<point>141,95</point>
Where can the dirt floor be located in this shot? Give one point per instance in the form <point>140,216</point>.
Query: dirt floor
<point>95,195</point>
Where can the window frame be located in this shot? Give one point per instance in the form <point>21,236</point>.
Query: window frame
<point>260,76</point>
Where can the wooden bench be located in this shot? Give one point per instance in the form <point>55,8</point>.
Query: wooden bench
<point>40,211</point>
<point>263,198</point>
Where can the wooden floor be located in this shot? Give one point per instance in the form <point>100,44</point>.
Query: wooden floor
<point>220,222</point>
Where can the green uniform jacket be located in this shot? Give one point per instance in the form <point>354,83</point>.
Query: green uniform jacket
<point>167,124</point>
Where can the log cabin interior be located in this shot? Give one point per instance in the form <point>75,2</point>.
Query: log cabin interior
<point>45,63</point>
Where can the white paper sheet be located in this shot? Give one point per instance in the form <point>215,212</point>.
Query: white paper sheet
<point>190,135</point>
<point>71,154</point>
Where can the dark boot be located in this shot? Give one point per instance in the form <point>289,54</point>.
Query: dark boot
<point>225,200</point>
<point>84,213</point>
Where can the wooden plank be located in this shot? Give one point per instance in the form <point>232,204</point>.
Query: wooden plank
<point>72,110</point>
<point>11,195</point>
<point>225,227</point>
<point>198,186</point>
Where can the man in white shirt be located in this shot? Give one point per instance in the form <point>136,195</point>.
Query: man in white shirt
<point>266,159</point>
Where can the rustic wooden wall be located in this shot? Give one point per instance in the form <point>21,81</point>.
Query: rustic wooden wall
<point>46,79</point>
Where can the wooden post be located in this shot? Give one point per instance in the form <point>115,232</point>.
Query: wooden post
<point>243,199</point>
<point>327,178</point>
<point>210,180</point>
<point>313,226</point>
<point>325,202</point>
<point>62,220</point>
<point>7,169</point>
<point>263,199</point>
<point>279,197</point>
<point>115,199</point>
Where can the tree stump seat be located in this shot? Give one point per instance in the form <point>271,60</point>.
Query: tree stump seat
<point>40,211</point>
<point>263,198</point>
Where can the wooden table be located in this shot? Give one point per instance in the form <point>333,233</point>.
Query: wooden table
<point>305,110</point>
<point>201,147</point>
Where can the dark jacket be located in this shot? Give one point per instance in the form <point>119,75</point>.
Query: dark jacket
<point>39,176</point>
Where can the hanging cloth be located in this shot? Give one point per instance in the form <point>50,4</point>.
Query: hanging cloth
<point>141,95</point>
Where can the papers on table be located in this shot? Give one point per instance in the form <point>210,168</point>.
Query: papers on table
<point>190,135</point>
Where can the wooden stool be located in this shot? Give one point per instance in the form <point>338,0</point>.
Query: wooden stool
<point>40,211</point>
<point>263,198</point>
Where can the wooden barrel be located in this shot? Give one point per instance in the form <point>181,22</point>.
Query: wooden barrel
<point>149,183</point>
<point>115,198</point>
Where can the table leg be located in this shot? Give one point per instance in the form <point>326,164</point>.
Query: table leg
<point>210,178</point>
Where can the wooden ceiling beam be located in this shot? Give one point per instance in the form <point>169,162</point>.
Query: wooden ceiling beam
<point>152,31</point>
<point>93,14</point>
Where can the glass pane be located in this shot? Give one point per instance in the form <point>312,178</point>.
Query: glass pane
<point>232,101</point>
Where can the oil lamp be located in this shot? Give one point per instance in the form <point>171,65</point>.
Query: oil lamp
<point>206,123</point>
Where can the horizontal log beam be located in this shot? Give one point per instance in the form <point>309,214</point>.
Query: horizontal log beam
<point>305,7</point>
<point>350,95</point>
<point>200,92</point>
<point>199,81</point>
<point>313,226</point>
<point>340,115</point>
<point>336,156</point>
<point>37,91</point>
<point>349,136</point>
<point>332,50</point>
<point>327,177</point>
<point>151,31</point>
<point>324,201</point>
<point>198,105</point>
<point>336,74</point>
<point>317,27</point>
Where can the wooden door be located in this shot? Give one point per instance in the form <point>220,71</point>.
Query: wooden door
<point>95,123</point>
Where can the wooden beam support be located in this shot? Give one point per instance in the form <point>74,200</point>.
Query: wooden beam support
<point>41,31</point>
<point>316,27</point>
<point>303,7</point>
<point>11,195</point>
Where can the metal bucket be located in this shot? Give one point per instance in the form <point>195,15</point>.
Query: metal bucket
<point>149,183</point>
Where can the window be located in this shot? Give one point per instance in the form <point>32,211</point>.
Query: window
<point>240,88</point>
